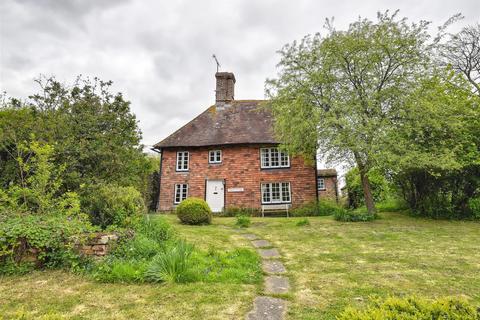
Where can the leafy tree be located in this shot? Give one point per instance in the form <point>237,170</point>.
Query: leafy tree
<point>38,190</point>
<point>94,132</point>
<point>343,92</point>
<point>434,153</point>
<point>462,52</point>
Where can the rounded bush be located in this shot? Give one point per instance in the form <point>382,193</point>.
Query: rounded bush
<point>194,211</point>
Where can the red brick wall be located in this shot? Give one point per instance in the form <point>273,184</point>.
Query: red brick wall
<point>330,191</point>
<point>240,168</point>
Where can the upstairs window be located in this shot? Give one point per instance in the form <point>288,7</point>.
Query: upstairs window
<point>276,192</point>
<point>274,158</point>
<point>215,156</point>
<point>182,161</point>
<point>181,193</point>
<point>321,184</point>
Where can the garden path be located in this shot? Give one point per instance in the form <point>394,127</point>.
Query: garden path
<point>266,307</point>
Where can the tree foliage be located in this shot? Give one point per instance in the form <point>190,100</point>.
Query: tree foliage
<point>462,52</point>
<point>93,131</point>
<point>373,96</point>
<point>83,136</point>
<point>341,93</point>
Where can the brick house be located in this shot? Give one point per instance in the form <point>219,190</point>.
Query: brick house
<point>228,156</point>
<point>327,184</point>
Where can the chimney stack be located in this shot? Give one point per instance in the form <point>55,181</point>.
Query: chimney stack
<point>225,88</point>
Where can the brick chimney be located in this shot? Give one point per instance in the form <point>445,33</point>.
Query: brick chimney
<point>225,88</point>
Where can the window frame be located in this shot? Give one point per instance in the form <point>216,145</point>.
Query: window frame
<point>274,155</point>
<point>278,189</point>
<point>180,186</point>
<point>323,182</point>
<point>181,168</point>
<point>215,153</point>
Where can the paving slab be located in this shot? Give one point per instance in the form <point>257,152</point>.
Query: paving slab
<point>267,308</point>
<point>261,243</point>
<point>250,236</point>
<point>273,267</point>
<point>276,285</point>
<point>269,253</point>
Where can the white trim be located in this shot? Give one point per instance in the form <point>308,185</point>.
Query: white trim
<point>182,158</point>
<point>269,155</point>
<point>217,156</point>
<point>323,183</point>
<point>181,187</point>
<point>267,190</point>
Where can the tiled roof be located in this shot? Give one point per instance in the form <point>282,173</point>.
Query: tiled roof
<point>238,122</point>
<point>326,172</point>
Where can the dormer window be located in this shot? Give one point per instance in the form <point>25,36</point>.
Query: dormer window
<point>215,156</point>
<point>274,158</point>
<point>182,160</point>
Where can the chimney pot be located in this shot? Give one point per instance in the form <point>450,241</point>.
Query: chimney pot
<point>225,89</point>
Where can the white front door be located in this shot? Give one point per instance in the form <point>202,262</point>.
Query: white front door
<point>215,195</point>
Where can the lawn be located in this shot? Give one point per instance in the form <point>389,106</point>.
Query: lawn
<point>63,295</point>
<point>330,264</point>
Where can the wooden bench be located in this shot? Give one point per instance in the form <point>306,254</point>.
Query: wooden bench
<point>275,208</point>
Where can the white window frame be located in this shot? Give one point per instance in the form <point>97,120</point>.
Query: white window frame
<point>272,158</point>
<point>183,161</point>
<point>281,191</point>
<point>323,187</point>
<point>217,156</point>
<point>182,190</point>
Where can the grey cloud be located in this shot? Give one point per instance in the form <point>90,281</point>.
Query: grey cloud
<point>158,53</point>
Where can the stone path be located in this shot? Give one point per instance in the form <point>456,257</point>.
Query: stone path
<point>265,307</point>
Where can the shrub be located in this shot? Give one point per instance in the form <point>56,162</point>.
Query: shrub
<point>129,260</point>
<point>171,264</point>
<point>392,205</point>
<point>47,240</point>
<point>112,205</point>
<point>235,211</point>
<point>314,208</point>
<point>303,222</point>
<point>354,216</point>
<point>380,187</point>
<point>194,211</point>
<point>243,221</point>
<point>155,228</point>
<point>474,206</point>
<point>413,308</point>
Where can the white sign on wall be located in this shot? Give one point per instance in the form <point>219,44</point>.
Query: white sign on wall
<point>235,190</point>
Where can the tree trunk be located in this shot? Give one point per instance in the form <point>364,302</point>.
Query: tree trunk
<point>367,191</point>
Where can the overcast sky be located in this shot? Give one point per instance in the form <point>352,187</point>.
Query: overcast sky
<point>158,53</point>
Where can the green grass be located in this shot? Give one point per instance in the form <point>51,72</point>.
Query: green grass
<point>330,264</point>
<point>333,264</point>
<point>226,270</point>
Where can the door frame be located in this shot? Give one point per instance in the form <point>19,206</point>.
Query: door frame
<point>224,181</point>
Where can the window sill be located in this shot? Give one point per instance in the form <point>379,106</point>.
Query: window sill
<point>274,168</point>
